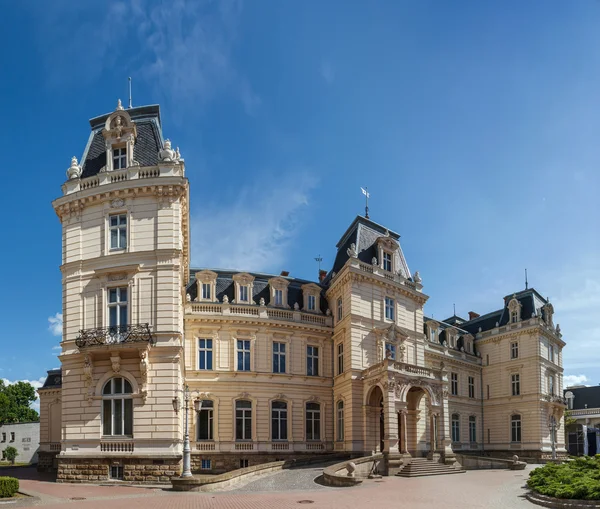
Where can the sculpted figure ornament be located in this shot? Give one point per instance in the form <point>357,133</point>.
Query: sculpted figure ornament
<point>558,328</point>
<point>144,364</point>
<point>352,253</point>
<point>417,277</point>
<point>167,153</point>
<point>74,171</point>
<point>88,375</point>
<point>115,363</point>
<point>261,302</point>
<point>178,155</point>
<point>119,105</point>
<point>374,261</point>
<point>328,312</point>
<point>225,299</point>
<point>296,306</point>
<point>188,297</point>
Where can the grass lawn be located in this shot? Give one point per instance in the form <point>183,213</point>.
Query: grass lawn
<point>4,464</point>
<point>577,479</point>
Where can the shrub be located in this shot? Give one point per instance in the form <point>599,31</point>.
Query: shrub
<point>8,486</point>
<point>10,453</point>
<point>577,479</point>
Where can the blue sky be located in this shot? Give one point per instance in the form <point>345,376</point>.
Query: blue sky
<point>474,125</point>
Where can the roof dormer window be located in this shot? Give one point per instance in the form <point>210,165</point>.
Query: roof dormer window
<point>279,291</point>
<point>311,293</point>
<point>387,261</point>
<point>207,285</point>
<point>514,308</point>
<point>119,133</point>
<point>119,158</point>
<point>243,288</point>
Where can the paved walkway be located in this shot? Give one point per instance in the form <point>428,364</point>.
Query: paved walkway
<point>493,489</point>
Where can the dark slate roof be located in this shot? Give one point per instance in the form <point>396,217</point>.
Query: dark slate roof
<point>530,301</point>
<point>589,396</point>
<point>364,234</point>
<point>454,320</point>
<point>148,143</point>
<point>443,336</point>
<point>53,380</point>
<point>260,288</point>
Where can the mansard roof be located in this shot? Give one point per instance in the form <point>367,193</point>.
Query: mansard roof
<point>148,143</point>
<point>364,233</point>
<point>585,397</point>
<point>530,300</point>
<point>260,287</point>
<point>53,380</point>
<point>444,329</point>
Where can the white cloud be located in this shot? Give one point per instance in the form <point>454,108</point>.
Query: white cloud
<point>55,324</point>
<point>255,231</point>
<point>575,380</point>
<point>327,72</point>
<point>36,384</point>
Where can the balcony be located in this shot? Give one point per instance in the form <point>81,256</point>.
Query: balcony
<point>403,368</point>
<point>122,334</point>
<point>551,398</point>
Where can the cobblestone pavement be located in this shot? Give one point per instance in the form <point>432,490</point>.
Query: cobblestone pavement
<point>493,489</point>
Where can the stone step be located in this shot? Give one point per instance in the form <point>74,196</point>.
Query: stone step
<point>423,474</point>
<point>420,467</point>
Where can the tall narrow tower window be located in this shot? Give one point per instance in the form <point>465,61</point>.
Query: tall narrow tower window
<point>117,312</point>
<point>118,231</point>
<point>119,158</point>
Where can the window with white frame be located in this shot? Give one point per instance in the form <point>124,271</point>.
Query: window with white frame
<point>389,308</point>
<point>205,420</point>
<point>118,231</point>
<point>514,317</point>
<point>278,297</point>
<point>471,382</point>
<point>313,421</point>
<point>117,313</point>
<point>390,351</point>
<point>278,357</point>
<point>312,360</point>
<point>515,428</point>
<point>514,350</point>
<point>244,294</point>
<point>340,309</point>
<point>340,421</point>
<point>455,428</point>
<point>205,354</point>
<point>340,358</point>
<point>551,353</point>
<point>387,261</point>
<point>472,429</point>
<point>243,355</point>
<point>278,420</point>
<point>117,408</point>
<point>432,333</point>
<point>119,158</point>
<point>551,384</point>
<point>243,420</point>
<point>515,379</point>
<point>454,384</point>
<point>312,303</point>
<point>205,464</point>
<point>206,291</point>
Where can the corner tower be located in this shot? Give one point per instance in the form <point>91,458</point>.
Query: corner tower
<point>124,215</point>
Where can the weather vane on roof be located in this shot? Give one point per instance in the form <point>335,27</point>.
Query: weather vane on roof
<point>365,191</point>
<point>129,91</point>
<point>318,259</point>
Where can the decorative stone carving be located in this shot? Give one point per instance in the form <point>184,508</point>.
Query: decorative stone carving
<point>244,395</point>
<point>261,302</point>
<point>178,155</point>
<point>296,306</point>
<point>225,299</point>
<point>479,330</point>
<point>188,297</point>
<point>144,373</point>
<point>547,312</point>
<point>333,274</point>
<point>167,153</point>
<point>374,261</point>
<point>117,203</point>
<point>514,308</point>
<point>313,398</point>
<point>497,324</point>
<point>352,253</point>
<point>558,329</point>
<point>280,396</point>
<point>88,375</point>
<point>328,312</point>
<point>115,363</point>
<point>119,105</point>
<point>74,171</point>
<point>417,277</point>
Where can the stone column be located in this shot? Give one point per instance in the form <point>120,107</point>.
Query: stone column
<point>446,438</point>
<point>404,444</point>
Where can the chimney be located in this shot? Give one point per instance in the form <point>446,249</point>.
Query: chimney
<point>284,273</point>
<point>473,315</point>
<point>322,275</point>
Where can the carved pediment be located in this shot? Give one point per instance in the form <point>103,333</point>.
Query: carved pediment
<point>119,125</point>
<point>279,282</point>
<point>243,278</point>
<point>206,276</point>
<point>391,333</point>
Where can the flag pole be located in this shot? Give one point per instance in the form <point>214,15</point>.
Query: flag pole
<point>367,204</point>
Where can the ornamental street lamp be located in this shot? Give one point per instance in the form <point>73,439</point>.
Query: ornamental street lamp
<point>186,439</point>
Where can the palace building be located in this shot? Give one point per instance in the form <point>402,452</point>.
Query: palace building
<point>276,367</point>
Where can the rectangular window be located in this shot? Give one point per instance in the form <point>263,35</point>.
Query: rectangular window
<point>454,384</point>
<point>313,421</point>
<point>243,463</point>
<point>551,385</point>
<point>118,231</point>
<point>389,308</point>
<point>488,433</point>
<point>514,350</point>
<point>487,359</point>
<point>312,303</point>
<point>432,334</point>
<point>279,297</point>
<point>340,309</point>
<point>455,428</point>
<point>390,351</point>
<point>12,436</point>
<point>516,384</point>
<point>472,429</point>
<point>471,387</point>
<point>515,428</point>
<point>119,158</point>
<point>278,357</point>
<point>278,420</point>
<point>244,293</point>
<point>243,420</point>
<point>205,420</point>
<point>205,354</point>
<point>387,262</point>
<point>340,358</point>
<point>205,465</point>
<point>116,472</point>
<point>551,353</point>
<point>206,290</point>
<point>117,313</point>
<point>488,392</point>
<point>243,355</point>
<point>4,437</point>
<point>514,317</point>
<point>312,361</point>
<point>340,421</point>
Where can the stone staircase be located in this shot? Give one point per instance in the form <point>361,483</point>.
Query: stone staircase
<point>419,467</point>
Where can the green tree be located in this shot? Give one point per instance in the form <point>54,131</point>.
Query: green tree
<point>15,401</point>
<point>10,453</point>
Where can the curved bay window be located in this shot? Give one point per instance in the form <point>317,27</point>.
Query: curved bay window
<point>205,419</point>
<point>279,420</point>
<point>313,421</point>
<point>243,420</point>
<point>117,408</point>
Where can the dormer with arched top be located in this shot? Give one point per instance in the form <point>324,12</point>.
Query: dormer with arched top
<point>119,134</point>
<point>244,288</point>
<point>278,292</point>
<point>311,294</point>
<point>514,310</point>
<point>387,248</point>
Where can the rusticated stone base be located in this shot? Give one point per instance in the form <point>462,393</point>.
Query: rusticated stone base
<point>529,456</point>
<point>135,470</point>
<point>46,461</point>
<point>221,462</point>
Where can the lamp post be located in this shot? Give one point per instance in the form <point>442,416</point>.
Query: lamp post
<point>552,426</point>
<point>186,438</point>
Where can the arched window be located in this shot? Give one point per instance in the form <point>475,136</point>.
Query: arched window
<point>340,421</point>
<point>117,408</point>
<point>243,420</point>
<point>455,428</point>
<point>205,420</point>
<point>278,420</point>
<point>515,428</point>
<point>313,421</point>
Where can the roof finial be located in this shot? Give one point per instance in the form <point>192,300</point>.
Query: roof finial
<point>119,105</point>
<point>130,92</point>
<point>318,259</point>
<point>365,191</point>
<point>526,283</point>
<point>454,309</point>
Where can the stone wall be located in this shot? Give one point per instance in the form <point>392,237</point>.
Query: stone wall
<point>225,462</point>
<point>135,470</point>
<point>46,461</point>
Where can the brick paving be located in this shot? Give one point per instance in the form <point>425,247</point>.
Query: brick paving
<point>493,489</point>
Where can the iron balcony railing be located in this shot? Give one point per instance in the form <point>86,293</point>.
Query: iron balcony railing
<point>134,333</point>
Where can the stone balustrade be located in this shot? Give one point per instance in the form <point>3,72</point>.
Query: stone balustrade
<point>262,447</point>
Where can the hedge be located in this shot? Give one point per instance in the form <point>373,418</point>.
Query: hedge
<point>8,486</point>
<point>578,479</point>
